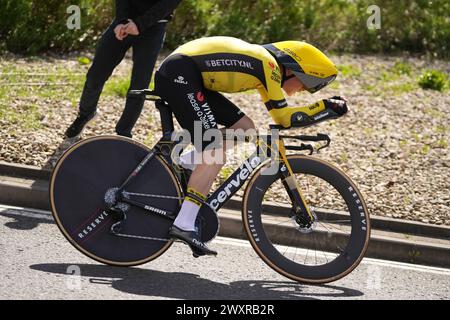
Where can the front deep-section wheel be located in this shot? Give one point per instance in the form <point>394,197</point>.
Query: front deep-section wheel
<point>324,251</point>
<point>83,184</point>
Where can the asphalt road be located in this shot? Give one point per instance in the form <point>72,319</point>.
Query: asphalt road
<point>36,262</point>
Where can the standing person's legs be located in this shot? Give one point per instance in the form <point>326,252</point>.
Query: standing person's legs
<point>110,51</point>
<point>145,52</point>
<point>108,55</point>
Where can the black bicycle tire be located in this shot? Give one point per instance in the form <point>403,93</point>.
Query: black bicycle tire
<point>60,225</point>
<point>255,230</point>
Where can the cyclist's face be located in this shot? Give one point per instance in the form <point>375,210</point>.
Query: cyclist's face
<point>292,85</point>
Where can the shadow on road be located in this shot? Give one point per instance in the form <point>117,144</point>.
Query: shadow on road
<point>180,285</point>
<point>22,221</point>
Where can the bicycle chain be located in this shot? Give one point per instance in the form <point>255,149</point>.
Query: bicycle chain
<point>140,237</point>
<point>126,194</point>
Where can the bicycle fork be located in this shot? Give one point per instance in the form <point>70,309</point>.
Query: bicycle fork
<point>303,215</point>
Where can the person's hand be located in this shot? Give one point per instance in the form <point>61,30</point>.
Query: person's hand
<point>120,31</point>
<point>337,104</point>
<point>131,28</point>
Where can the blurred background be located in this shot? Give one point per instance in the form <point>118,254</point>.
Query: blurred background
<point>394,70</point>
<point>418,26</point>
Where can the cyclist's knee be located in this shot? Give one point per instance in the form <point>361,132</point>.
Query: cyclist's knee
<point>214,156</point>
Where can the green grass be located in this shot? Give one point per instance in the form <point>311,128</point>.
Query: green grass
<point>407,200</point>
<point>402,88</point>
<point>3,93</point>
<point>343,157</point>
<point>394,81</point>
<point>369,131</point>
<point>349,70</point>
<point>388,76</point>
<point>442,143</point>
<point>416,136</point>
<point>84,60</point>
<point>27,117</point>
<point>24,84</point>
<point>29,82</point>
<point>370,87</point>
<point>442,129</point>
<point>433,112</point>
<point>149,139</point>
<point>386,87</point>
<point>402,68</point>
<point>425,149</point>
<point>117,87</point>
<point>433,80</point>
<point>402,143</point>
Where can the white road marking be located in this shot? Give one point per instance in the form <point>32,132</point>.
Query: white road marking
<point>46,215</point>
<point>24,212</point>
<point>369,261</point>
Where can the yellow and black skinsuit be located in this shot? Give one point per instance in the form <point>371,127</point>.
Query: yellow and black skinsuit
<point>191,78</point>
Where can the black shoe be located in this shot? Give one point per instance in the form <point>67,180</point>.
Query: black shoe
<point>196,252</point>
<point>199,223</point>
<point>191,238</point>
<point>78,125</point>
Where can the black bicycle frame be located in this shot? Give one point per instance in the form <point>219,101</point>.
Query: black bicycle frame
<point>274,149</point>
<point>264,151</point>
<point>216,200</point>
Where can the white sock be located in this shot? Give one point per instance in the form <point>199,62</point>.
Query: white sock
<point>190,159</point>
<point>187,215</point>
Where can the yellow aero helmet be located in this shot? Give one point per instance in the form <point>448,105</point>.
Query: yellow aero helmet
<point>309,64</point>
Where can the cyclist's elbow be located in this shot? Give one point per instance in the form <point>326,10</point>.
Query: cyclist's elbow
<point>281,119</point>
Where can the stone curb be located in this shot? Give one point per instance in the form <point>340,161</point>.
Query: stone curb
<point>33,173</point>
<point>27,186</point>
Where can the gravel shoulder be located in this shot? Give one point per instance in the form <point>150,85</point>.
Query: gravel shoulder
<point>393,143</point>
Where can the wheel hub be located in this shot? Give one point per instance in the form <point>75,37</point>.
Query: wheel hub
<point>304,224</point>
<point>111,197</point>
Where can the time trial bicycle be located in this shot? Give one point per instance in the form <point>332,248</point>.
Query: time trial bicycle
<point>114,199</point>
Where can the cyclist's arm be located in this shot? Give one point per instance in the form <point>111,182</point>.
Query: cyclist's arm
<point>282,114</point>
<point>297,116</point>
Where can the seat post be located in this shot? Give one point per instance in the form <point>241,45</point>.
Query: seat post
<point>166,118</point>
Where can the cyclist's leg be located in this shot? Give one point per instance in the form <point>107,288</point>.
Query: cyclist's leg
<point>179,82</point>
<point>145,51</point>
<point>228,115</point>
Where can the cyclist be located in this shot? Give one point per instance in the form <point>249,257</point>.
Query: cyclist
<point>191,78</point>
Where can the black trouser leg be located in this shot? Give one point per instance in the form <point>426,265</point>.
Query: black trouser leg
<point>145,52</point>
<point>108,55</point>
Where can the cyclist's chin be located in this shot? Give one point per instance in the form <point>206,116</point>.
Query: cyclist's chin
<point>290,92</point>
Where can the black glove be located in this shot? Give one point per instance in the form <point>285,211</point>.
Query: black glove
<point>337,104</point>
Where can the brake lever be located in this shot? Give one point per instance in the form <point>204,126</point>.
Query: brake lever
<point>302,147</point>
<point>326,138</point>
